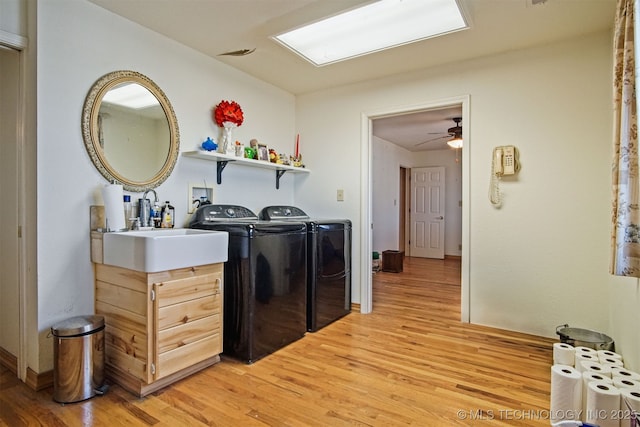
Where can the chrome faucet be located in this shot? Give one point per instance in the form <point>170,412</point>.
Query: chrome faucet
<point>144,208</point>
<point>144,196</point>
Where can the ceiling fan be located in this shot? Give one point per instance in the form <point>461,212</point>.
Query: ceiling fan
<point>455,133</point>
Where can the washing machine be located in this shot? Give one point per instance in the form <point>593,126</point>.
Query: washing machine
<point>328,264</point>
<point>265,280</point>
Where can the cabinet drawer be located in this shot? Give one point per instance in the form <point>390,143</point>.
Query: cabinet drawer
<point>189,311</point>
<point>181,336</point>
<point>188,355</point>
<point>189,288</point>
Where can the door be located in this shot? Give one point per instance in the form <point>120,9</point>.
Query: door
<point>402,210</point>
<point>427,212</point>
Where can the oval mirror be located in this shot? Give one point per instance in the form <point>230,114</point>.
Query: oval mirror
<point>130,130</point>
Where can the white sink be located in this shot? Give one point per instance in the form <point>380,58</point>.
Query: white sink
<point>164,249</point>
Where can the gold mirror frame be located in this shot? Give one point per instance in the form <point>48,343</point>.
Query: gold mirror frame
<point>90,129</point>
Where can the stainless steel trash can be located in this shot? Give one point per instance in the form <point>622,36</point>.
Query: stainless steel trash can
<point>78,358</point>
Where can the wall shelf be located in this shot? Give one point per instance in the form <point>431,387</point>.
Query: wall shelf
<point>222,160</point>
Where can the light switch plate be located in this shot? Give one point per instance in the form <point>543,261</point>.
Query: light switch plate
<point>340,195</point>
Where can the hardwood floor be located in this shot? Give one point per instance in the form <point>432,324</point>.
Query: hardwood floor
<point>410,362</point>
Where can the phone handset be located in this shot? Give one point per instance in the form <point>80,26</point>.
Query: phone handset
<point>497,161</point>
<point>504,162</point>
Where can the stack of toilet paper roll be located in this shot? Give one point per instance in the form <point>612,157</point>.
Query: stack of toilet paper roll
<point>592,386</point>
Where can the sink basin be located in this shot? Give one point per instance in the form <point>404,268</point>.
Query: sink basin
<point>164,249</point>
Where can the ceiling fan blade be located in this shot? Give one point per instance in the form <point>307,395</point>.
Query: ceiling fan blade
<point>433,139</point>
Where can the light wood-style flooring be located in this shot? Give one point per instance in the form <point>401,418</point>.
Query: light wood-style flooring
<point>410,362</point>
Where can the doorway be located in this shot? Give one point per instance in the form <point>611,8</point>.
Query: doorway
<point>10,247</point>
<point>367,199</point>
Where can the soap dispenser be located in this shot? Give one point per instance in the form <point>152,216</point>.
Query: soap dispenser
<point>168,215</point>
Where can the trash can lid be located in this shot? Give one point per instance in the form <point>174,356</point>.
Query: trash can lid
<point>77,325</point>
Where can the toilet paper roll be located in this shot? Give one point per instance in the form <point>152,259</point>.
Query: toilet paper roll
<point>610,361</point>
<point>622,382</point>
<point>587,377</point>
<point>113,207</point>
<point>617,371</point>
<point>632,397</point>
<point>563,354</point>
<point>603,404</point>
<point>584,357</point>
<point>582,349</point>
<point>566,392</point>
<point>604,354</point>
<point>603,370</point>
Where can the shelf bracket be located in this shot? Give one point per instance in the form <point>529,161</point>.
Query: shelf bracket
<point>221,164</point>
<point>279,173</point>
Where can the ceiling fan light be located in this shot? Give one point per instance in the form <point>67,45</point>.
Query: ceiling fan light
<point>455,142</point>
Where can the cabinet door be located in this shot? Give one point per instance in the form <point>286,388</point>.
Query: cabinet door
<point>187,321</point>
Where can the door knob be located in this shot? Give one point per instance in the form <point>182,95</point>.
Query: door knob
<point>439,217</point>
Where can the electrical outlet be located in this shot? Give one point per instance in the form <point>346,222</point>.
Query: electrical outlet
<point>340,195</point>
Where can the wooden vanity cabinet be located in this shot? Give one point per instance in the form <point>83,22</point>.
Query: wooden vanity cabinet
<point>160,327</point>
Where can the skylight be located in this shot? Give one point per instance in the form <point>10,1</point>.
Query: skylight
<point>374,27</point>
<point>131,95</point>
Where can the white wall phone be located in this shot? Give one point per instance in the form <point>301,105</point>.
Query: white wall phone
<point>504,162</point>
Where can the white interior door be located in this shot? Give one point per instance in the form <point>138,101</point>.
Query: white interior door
<point>427,212</point>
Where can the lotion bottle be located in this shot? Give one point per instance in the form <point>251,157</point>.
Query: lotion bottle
<point>168,215</point>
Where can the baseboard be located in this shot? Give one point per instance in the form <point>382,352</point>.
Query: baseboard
<point>38,381</point>
<point>9,361</point>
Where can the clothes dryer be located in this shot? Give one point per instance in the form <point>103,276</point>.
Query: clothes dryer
<point>328,264</point>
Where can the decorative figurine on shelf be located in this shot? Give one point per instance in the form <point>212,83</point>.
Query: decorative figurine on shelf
<point>227,115</point>
<point>296,161</point>
<point>273,155</point>
<point>283,159</point>
<point>249,153</point>
<point>209,145</point>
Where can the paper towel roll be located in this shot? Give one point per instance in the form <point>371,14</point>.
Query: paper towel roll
<point>603,354</point>
<point>603,370</point>
<point>603,404</point>
<point>587,377</point>
<point>563,354</point>
<point>113,207</point>
<point>632,397</point>
<point>584,357</point>
<point>617,371</point>
<point>566,392</point>
<point>622,382</point>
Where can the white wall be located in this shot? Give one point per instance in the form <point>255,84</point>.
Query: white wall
<point>541,260</point>
<point>78,43</point>
<point>387,158</point>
